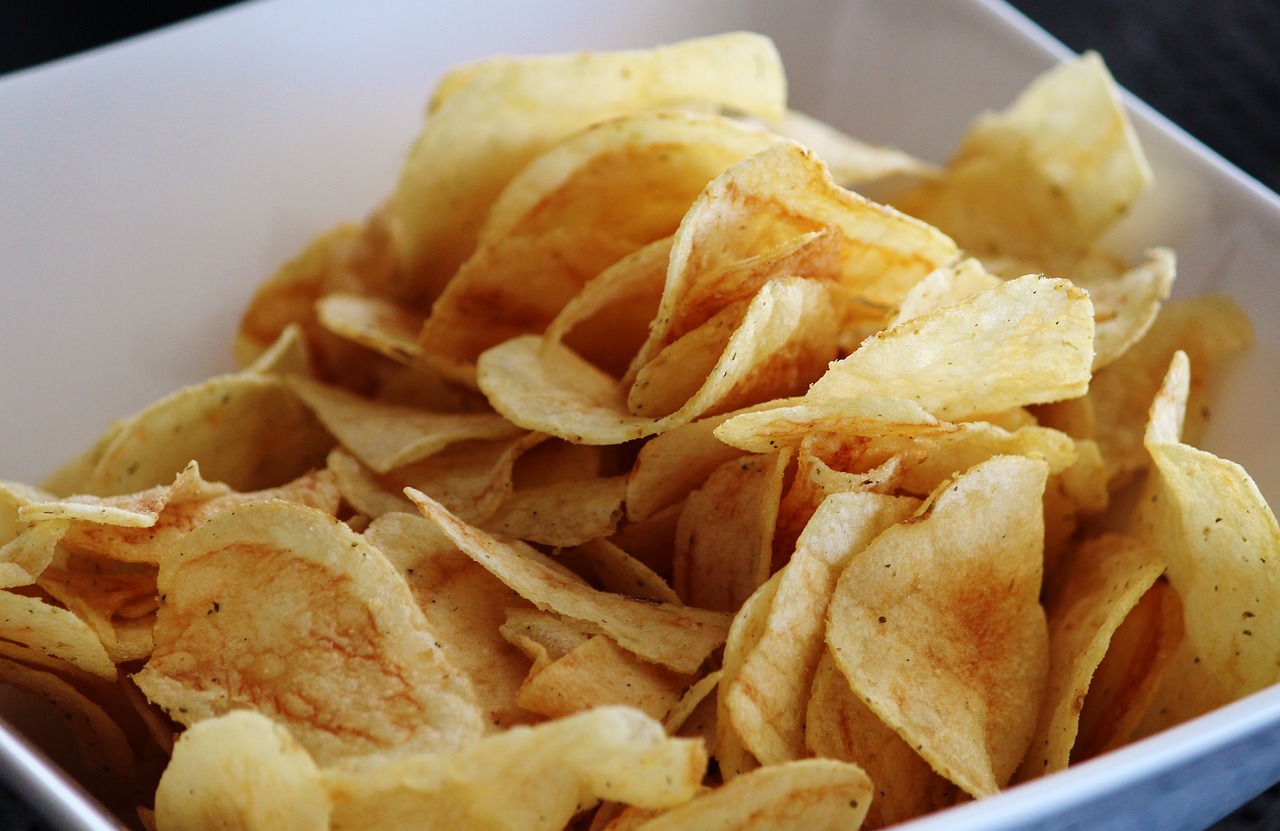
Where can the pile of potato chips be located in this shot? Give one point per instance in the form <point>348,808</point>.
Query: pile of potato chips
<point>658,457</point>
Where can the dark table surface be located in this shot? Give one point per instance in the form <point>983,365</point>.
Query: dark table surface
<point>1212,67</point>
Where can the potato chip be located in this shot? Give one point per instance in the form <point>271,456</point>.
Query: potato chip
<point>1209,329</point>
<point>1125,684</point>
<point>938,622</point>
<point>766,696</point>
<point>676,637</point>
<point>52,636</point>
<point>1096,590</point>
<point>546,773</point>
<point>673,464</point>
<point>241,770</point>
<point>854,164</point>
<point>609,567</point>
<point>1222,543</point>
<point>599,673</point>
<point>25,557</point>
<point>507,110</point>
<point>778,348</point>
<point>732,756</point>
<point>724,539</point>
<point>238,628</point>
<point>246,430</point>
<point>465,607</point>
<point>1125,308</point>
<point>561,514</point>
<point>386,436</point>
<point>1025,341</point>
<point>789,422</point>
<point>374,323</point>
<point>810,793</point>
<point>117,600</point>
<point>944,286</point>
<point>838,725</point>
<point>1049,174</point>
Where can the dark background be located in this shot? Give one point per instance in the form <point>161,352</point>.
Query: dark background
<point>1210,66</point>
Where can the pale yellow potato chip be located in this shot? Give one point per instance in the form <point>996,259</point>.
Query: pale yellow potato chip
<point>766,697</point>
<point>240,770</point>
<point>246,430</point>
<point>1209,329</point>
<point>853,163</point>
<point>387,436</point>
<point>465,607</point>
<point>138,527</point>
<point>1051,173</point>
<point>508,110</point>
<point>545,773</point>
<point>676,637</point>
<point>612,569</point>
<point>839,725</point>
<point>671,465</point>
<point>789,422</point>
<point>1126,307</point>
<point>117,600</point>
<point>1096,590</point>
<point>1025,341</point>
<point>546,387</point>
<point>1222,543</point>
<point>819,794</point>
<point>543,637</point>
<point>53,635</point>
<point>281,608</point>
<point>25,557</point>
<point>634,175</point>
<point>513,286</point>
<point>938,622</point>
<point>561,514</point>
<point>776,196</point>
<point>732,756</point>
<point>374,323</point>
<point>724,539</point>
<point>1126,683</point>
<point>599,673</point>
<point>944,286</point>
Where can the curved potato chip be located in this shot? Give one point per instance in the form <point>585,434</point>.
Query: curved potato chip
<point>1025,341</point>
<point>938,622</point>
<point>240,770</point>
<point>1104,580</point>
<point>677,637</point>
<point>781,344</point>
<point>386,436</point>
<point>561,514</point>
<point>819,794</point>
<point>766,697</point>
<point>240,626</point>
<point>546,774</point>
<point>839,725</point>
<point>499,114</point>
<point>1049,174</point>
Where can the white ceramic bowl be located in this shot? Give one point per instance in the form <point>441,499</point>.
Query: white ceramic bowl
<point>146,188</point>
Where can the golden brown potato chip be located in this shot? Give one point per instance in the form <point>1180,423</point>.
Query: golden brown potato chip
<point>240,770</point>
<point>609,567</point>
<point>374,323</point>
<point>938,622</point>
<point>766,696</point>
<point>501,113</point>
<point>282,608</point>
<point>676,637</point>
<point>732,756</point>
<point>821,794</point>
<point>1126,682</point>
<point>545,774</point>
<point>671,465</point>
